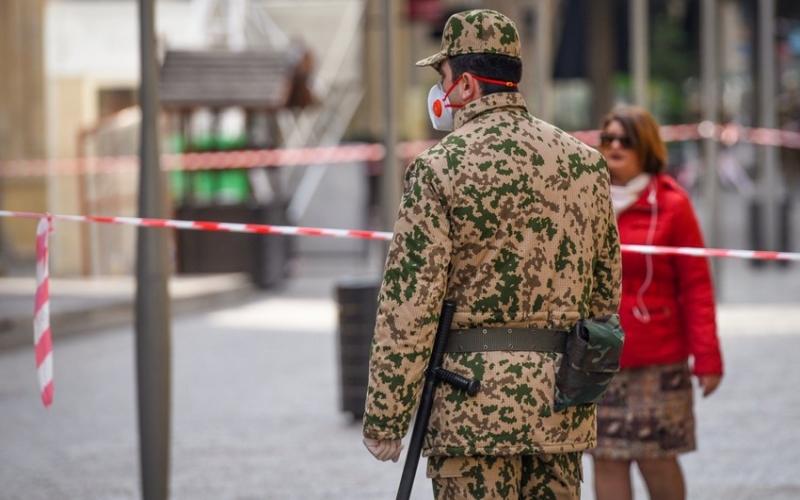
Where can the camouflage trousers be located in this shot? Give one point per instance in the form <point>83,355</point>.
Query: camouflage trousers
<point>523,477</point>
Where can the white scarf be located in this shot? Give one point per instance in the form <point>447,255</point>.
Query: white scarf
<point>623,197</point>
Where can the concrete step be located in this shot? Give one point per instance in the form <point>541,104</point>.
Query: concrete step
<point>92,304</point>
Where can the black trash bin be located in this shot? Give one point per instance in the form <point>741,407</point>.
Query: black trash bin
<point>358,303</point>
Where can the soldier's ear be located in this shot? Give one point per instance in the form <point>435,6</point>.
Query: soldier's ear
<point>470,90</point>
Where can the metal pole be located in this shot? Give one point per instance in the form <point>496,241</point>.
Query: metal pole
<point>390,187</point>
<point>769,178</point>
<point>7,42</point>
<point>708,76</point>
<point>153,336</point>
<point>639,50</point>
<point>600,53</point>
<point>543,65</point>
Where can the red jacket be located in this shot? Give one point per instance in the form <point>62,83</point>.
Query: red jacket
<point>671,315</point>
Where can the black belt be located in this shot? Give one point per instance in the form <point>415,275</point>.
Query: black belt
<point>507,339</point>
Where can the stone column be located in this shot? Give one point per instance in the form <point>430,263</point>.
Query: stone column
<point>21,117</point>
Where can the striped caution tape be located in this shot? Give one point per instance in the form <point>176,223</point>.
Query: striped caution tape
<point>198,161</point>
<point>42,338</point>
<point>372,235</point>
<point>711,252</point>
<point>358,153</point>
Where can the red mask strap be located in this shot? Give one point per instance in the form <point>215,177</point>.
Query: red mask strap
<point>448,105</point>
<point>480,78</point>
<point>496,82</point>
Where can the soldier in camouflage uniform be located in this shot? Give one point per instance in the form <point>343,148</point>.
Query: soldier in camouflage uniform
<point>510,218</point>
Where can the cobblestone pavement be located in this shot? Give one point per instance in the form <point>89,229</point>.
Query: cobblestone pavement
<point>256,410</point>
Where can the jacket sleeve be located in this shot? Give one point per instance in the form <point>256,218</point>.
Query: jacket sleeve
<point>607,269</point>
<point>414,283</point>
<point>696,294</point>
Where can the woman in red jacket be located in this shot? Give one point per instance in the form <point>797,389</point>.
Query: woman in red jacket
<point>667,312</point>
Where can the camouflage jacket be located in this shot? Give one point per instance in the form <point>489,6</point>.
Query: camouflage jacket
<point>511,218</point>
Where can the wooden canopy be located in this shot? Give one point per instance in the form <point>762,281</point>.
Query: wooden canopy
<point>260,80</point>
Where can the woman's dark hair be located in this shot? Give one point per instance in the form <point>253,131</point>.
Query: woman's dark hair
<point>642,130</point>
<point>493,66</point>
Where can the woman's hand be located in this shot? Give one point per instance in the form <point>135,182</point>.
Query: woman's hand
<point>709,383</point>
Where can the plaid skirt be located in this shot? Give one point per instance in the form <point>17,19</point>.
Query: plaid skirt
<point>646,413</point>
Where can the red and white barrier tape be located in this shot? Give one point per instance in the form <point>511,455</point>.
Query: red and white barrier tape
<point>370,235</point>
<point>669,133</point>
<point>711,252</point>
<point>198,161</point>
<point>41,328</point>
<point>727,134</point>
<point>42,338</point>
<point>212,226</point>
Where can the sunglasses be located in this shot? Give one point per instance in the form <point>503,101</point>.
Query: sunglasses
<point>607,139</point>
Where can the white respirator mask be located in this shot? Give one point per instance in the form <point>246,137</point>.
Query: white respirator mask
<point>440,109</point>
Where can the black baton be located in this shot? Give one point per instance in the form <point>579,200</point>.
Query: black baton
<point>433,374</point>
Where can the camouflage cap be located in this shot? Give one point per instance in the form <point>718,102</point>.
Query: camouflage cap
<point>476,32</point>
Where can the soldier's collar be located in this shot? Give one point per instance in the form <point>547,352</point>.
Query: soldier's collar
<point>488,103</point>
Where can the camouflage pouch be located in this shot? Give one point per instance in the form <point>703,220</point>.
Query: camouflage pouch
<point>592,358</point>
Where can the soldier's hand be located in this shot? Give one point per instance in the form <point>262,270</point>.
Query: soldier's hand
<point>384,449</point>
<point>709,383</point>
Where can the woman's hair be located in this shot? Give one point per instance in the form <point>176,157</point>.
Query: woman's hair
<point>642,130</point>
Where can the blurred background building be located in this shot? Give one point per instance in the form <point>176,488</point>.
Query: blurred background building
<point>68,88</point>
